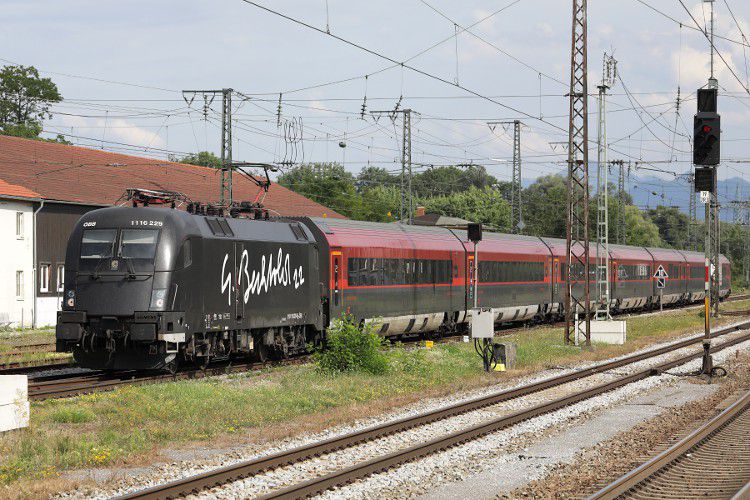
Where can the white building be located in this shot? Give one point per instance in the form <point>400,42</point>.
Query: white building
<point>16,255</point>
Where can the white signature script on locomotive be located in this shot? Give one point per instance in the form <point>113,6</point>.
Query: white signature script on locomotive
<point>272,274</point>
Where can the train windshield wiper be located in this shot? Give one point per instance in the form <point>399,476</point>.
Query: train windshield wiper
<point>95,274</point>
<point>131,270</point>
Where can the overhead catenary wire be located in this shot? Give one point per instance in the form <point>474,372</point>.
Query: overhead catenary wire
<point>394,61</point>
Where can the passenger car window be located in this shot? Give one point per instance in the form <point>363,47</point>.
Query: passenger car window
<point>138,243</point>
<point>97,243</point>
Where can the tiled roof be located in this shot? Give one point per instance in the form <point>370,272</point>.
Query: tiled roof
<point>16,191</point>
<point>91,176</point>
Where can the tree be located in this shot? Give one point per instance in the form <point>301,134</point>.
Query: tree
<point>372,177</point>
<point>641,231</point>
<point>485,205</point>
<point>203,158</point>
<point>381,204</point>
<point>545,206</point>
<point>25,101</point>
<point>442,181</point>
<point>672,224</point>
<point>326,183</point>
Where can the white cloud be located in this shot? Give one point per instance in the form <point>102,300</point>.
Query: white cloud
<point>117,129</point>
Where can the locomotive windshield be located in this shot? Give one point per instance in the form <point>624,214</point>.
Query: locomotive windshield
<point>98,243</point>
<point>138,243</point>
<point>136,249</point>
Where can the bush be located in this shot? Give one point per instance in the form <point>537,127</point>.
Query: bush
<point>350,347</point>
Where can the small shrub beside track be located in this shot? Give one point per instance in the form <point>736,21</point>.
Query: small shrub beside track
<point>351,347</point>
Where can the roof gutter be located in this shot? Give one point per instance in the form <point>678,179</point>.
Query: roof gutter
<point>34,264</point>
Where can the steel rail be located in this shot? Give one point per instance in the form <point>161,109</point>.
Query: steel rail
<point>75,384</point>
<point>364,469</point>
<point>220,370</point>
<point>252,467</point>
<point>23,368</point>
<point>653,471</point>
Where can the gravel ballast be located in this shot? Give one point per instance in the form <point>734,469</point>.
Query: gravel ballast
<point>408,479</point>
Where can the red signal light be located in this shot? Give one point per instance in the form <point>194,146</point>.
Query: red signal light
<point>706,129</point>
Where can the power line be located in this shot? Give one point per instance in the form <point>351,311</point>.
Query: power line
<point>664,14</point>
<point>487,42</point>
<point>713,46</point>
<point>402,64</point>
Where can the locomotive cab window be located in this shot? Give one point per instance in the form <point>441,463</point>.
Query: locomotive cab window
<point>138,243</point>
<point>98,243</point>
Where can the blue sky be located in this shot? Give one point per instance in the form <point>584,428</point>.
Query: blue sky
<point>166,46</point>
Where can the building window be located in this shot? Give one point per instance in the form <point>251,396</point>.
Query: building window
<point>60,278</point>
<point>19,225</point>
<point>19,285</point>
<point>44,277</point>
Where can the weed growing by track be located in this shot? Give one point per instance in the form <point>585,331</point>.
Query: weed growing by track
<point>129,425</point>
<point>350,347</point>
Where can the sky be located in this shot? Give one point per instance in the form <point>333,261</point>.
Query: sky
<point>122,67</point>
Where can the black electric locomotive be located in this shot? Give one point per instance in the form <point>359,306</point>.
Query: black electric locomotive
<point>146,288</point>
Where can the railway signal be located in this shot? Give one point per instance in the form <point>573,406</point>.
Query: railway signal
<point>706,138</point>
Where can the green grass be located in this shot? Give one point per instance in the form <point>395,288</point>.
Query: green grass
<point>13,341</point>
<point>131,422</point>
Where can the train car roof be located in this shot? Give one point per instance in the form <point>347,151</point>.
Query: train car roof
<point>505,244</point>
<point>619,252</point>
<point>558,247</point>
<point>693,257</point>
<point>666,255</point>
<point>353,233</point>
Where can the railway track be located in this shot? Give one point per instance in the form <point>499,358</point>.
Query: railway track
<point>66,386</point>
<point>74,384</point>
<point>26,367</point>
<point>360,470</point>
<point>711,462</point>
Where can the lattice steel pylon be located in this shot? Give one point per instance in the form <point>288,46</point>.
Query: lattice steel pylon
<point>516,187</point>
<point>406,167</point>
<point>225,186</point>
<point>621,231</point>
<point>226,148</point>
<point>609,75</point>
<point>516,218</point>
<point>406,209</point>
<point>577,276</point>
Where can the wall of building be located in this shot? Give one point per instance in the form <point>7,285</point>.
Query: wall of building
<point>54,222</point>
<point>16,254</point>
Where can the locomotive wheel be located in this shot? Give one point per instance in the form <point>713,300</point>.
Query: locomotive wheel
<point>173,367</point>
<point>203,362</point>
<point>261,352</point>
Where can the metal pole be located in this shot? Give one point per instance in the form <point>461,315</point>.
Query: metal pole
<point>476,273</point>
<point>707,363</point>
<point>407,146</point>
<point>609,72</point>
<point>692,229</point>
<point>226,148</point>
<point>515,193</point>
<point>716,240</point>
<point>577,227</point>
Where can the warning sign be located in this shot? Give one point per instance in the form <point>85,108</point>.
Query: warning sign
<point>661,277</point>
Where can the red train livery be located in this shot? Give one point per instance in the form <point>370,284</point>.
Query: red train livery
<point>416,279</point>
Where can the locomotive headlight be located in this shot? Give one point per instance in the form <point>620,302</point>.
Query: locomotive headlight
<point>158,298</point>
<point>71,298</point>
